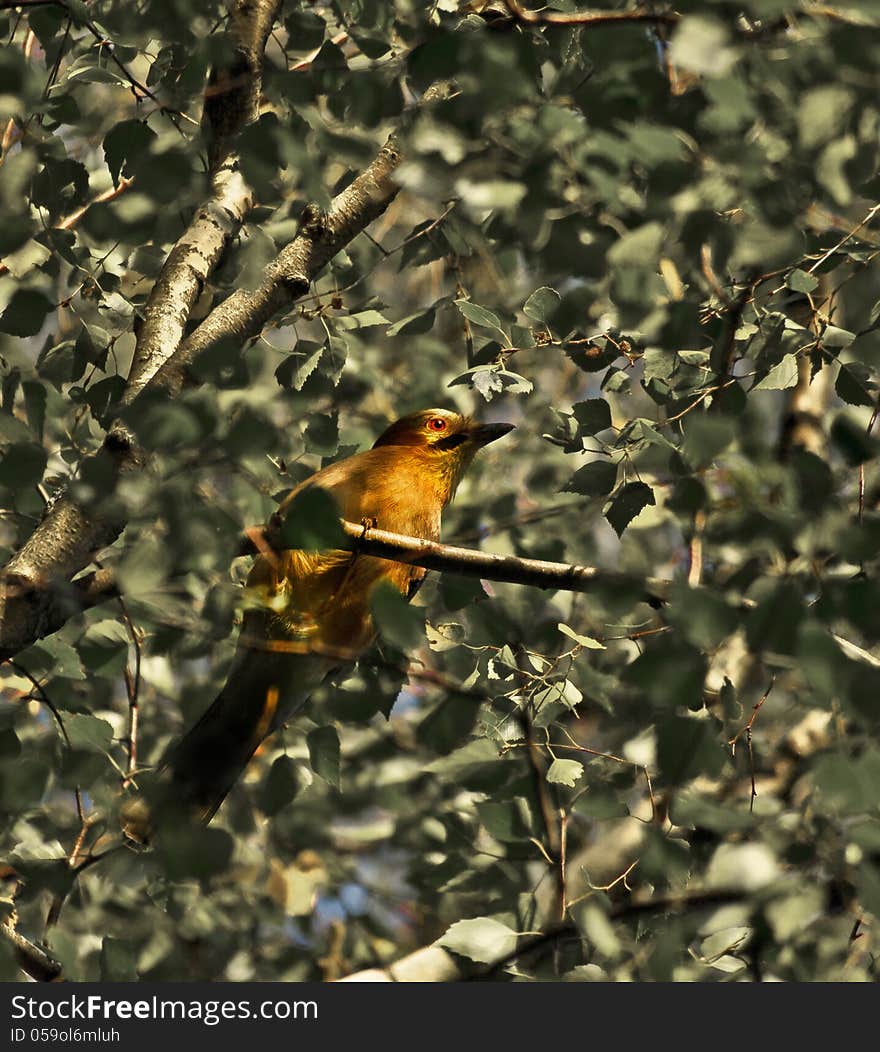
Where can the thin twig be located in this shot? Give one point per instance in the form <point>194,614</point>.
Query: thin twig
<point>868,431</point>
<point>44,697</point>
<point>695,549</point>
<point>132,688</point>
<point>70,221</point>
<point>747,730</point>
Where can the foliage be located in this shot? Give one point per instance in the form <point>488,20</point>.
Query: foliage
<point>653,248</point>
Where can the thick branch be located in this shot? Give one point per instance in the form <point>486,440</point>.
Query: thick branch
<point>243,314</point>
<point>231,101</point>
<point>70,534</point>
<point>32,960</point>
<point>587,18</point>
<point>469,562</point>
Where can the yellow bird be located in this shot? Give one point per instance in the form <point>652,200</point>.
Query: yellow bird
<point>308,613</point>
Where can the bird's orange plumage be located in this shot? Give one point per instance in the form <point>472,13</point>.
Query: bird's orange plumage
<point>308,613</point>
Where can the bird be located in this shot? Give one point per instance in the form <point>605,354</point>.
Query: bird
<point>308,613</point>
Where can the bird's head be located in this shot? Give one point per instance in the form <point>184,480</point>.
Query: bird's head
<point>450,438</point>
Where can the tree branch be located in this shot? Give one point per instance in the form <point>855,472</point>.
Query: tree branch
<point>469,562</point>
<point>231,101</point>
<point>242,315</point>
<point>32,960</point>
<point>587,18</point>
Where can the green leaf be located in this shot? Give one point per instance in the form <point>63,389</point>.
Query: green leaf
<point>853,441</point>
<point>780,377</point>
<point>688,747</point>
<point>703,617</point>
<point>397,621</point>
<point>450,722</point>
<point>323,746</point>
<point>638,248</point>
<point>88,732</point>
<point>413,324</point>
<point>280,786</point>
<point>312,522</point>
<point>25,313</point>
<point>124,144</point>
<point>482,939</point>
<point>368,319</point>
<point>503,194</point>
<point>103,648</point>
<point>627,503</point>
<point>584,641</point>
<point>855,385</point>
<point>670,674</point>
<point>188,851</point>
<point>459,592</point>
<point>822,114</point>
<point>565,772</point>
<point>299,365</point>
<point>701,812</point>
<point>773,624</point>
<point>800,281</point>
<point>541,304</point>
<point>22,464</point>
<point>592,415</point>
<point>305,29</point>
<point>593,480</point>
<point>705,437</point>
<point>118,960</point>
<point>322,434</point>
<point>480,316</point>
<point>505,821</point>
<point>701,44</point>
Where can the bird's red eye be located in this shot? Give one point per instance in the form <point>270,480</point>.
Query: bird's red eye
<point>437,423</point>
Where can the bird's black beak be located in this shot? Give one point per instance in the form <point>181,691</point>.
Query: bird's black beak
<point>483,434</point>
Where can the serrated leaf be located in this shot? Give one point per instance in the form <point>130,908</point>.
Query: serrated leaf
<point>854,385</point>
<point>593,480</point>
<point>51,656</point>
<point>633,498</point>
<point>124,144</point>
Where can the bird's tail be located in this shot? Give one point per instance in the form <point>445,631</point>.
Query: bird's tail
<point>263,690</point>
